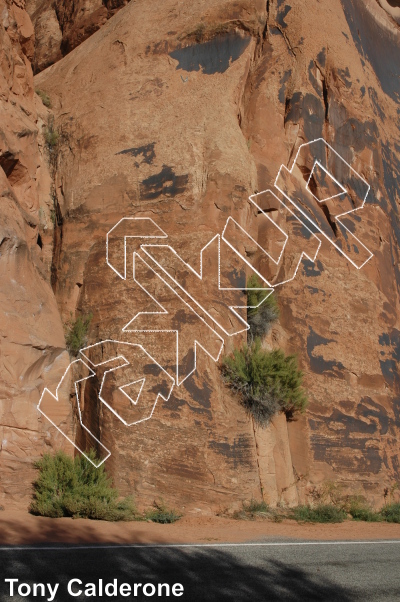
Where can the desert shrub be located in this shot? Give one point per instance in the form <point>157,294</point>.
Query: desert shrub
<point>263,308</point>
<point>322,513</point>
<point>204,32</point>
<point>51,137</point>
<point>75,487</point>
<point>364,513</point>
<point>252,510</point>
<point>76,336</point>
<point>359,509</point>
<point>160,513</point>
<point>44,97</point>
<point>391,513</point>
<point>267,381</point>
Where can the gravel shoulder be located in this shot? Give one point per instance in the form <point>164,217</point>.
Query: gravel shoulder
<point>18,527</point>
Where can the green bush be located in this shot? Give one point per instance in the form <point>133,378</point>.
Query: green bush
<point>204,32</point>
<point>322,513</point>
<point>51,137</point>
<point>263,308</point>
<point>267,381</point>
<point>359,509</point>
<point>365,514</point>
<point>161,514</point>
<point>44,97</point>
<point>76,337</point>
<point>75,488</point>
<point>391,513</point>
<point>252,510</point>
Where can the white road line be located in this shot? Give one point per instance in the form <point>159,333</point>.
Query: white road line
<point>67,547</point>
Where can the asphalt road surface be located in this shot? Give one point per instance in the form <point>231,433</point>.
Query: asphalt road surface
<point>281,570</point>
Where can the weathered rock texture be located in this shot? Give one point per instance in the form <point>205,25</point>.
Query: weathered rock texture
<point>32,339</point>
<point>179,112</point>
<point>60,26</point>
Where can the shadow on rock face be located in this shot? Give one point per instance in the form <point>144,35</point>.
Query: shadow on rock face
<point>375,44</point>
<point>392,7</point>
<point>212,57</point>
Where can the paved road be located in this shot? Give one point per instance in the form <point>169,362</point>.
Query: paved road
<point>286,572</point>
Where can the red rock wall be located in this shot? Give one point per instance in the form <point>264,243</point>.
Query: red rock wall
<point>62,25</point>
<point>187,146</point>
<point>32,339</point>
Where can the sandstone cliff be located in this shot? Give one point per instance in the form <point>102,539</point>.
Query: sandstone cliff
<point>179,113</point>
<point>32,339</point>
<point>60,26</point>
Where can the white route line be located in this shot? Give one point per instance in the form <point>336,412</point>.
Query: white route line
<point>66,547</point>
<point>127,363</point>
<point>344,191</point>
<point>93,373</point>
<point>303,254</point>
<point>162,235</point>
<point>55,397</point>
<point>199,275</point>
<point>337,217</point>
<point>165,312</point>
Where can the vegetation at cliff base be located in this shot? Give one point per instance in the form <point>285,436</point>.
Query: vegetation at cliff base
<point>160,513</point>
<point>321,513</point>
<point>358,508</point>
<point>391,513</point>
<point>76,335</point>
<point>253,510</point>
<point>267,381</point>
<point>263,308</point>
<point>76,488</point>
<point>45,98</point>
<point>51,136</point>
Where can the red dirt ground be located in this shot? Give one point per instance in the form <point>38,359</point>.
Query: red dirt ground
<point>18,527</point>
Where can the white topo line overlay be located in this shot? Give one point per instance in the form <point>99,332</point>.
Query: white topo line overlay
<point>56,398</point>
<point>304,254</point>
<point>148,229</point>
<point>144,220</point>
<point>337,217</point>
<point>147,249</point>
<point>122,387</point>
<point>163,311</point>
<point>90,365</point>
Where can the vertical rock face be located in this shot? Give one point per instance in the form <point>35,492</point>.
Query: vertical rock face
<point>178,113</point>
<point>60,26</point>
<point>32,340</point>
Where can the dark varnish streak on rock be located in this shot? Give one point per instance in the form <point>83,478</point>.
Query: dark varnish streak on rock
<point>310,270</point>
<point>147,152</point>
<point>282,13</point>
<point>389,364</point>
<point>240,452</point>
<point>212,57</point>
<point>376,44</point>
<point>344,75</point>
<point>317,363</point>
<point>357,432</point>
<point>391,166</point>
<point>165,183</point>
<point>282,90</point>
<point>310,108</point>
<point>313,79</point>
<point>200,396</point>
